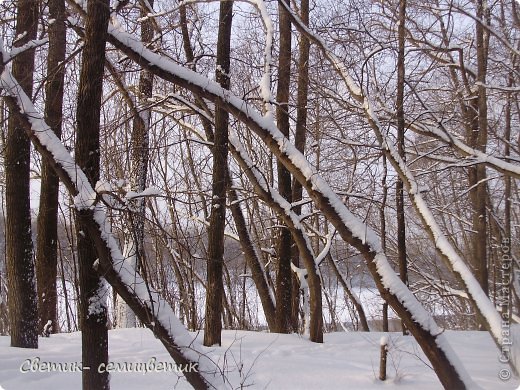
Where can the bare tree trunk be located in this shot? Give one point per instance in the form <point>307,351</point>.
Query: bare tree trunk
<point>507,309</point>
<point>477,174</point>
<point>215,287</point>
<point>47,239</point>
<point>284,273</point>
<point>22,297</point>
<point>399,196</point>
<point>94,333</point>
<point>300,137</point>
<point>382,220</point>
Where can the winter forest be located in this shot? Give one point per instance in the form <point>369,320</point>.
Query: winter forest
<point>265,194</point>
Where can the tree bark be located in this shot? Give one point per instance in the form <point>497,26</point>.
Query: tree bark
<point>47,223</point>
<point>477,174</point>
<point>248,247</point>
<point>284,272</point>
<point>94,333</point>
<point>399,186</point>
<point>215,286</point>
<point>300,136</point>
<point>22,296</point>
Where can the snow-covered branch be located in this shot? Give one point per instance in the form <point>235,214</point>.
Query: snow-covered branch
<point>8,56</point>
<point>477,156</point>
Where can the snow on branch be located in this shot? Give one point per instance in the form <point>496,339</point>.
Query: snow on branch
<point>497,163</point>
<point>265,83</point>
<point>20,49</point>
<point>326,250</point>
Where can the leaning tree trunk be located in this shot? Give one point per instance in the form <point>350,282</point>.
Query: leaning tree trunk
<point>22,297</point>
<point>47,239</point>
<point>215,286</point>
<point>354,299</point>
<point>93,309</point>
<point>252,258</point>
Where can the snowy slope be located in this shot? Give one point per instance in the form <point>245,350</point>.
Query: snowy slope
<point>261,361</point>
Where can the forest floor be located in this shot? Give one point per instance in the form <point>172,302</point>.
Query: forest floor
<point>256,360</point>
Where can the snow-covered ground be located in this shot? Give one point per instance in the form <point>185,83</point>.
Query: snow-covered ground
<point>261,361</point>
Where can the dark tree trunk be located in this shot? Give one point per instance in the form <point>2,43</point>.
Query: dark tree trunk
<point>47,239</point>
<point>314,282</point>
<point>93,313</point>
<point>508,309</point>
<point>140,143</point>
<point>300,136</point>
<point>399,195</point>
<point>284,272</point>
<point>215,286</point>
<point>382,219</point>
<point>22,297</point>
<point>477,174</point>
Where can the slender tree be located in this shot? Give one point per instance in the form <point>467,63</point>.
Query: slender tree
<point>477,174</point>
<point>382,220</point>
<point>22,296</point>
<point>215,286</point>
<point>300,137</point>
<point>399,196</point>
<point>47,238</point>
<point>94,333</point>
